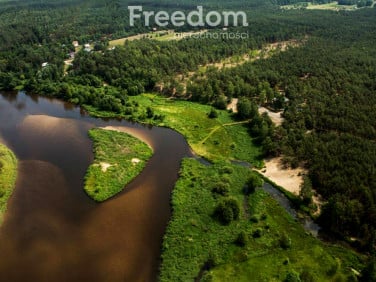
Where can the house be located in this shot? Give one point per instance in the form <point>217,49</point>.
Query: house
<point>44,65</point>
<point>75,44</point>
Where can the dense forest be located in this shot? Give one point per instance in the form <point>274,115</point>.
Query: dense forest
<point>326,87</point>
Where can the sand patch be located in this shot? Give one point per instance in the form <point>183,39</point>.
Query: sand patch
<point>131,131</point>
<point>105,166</point>
<point>276,117</point>
<point>288,178</point>
<point>233,106</point>
<point>135,161</point>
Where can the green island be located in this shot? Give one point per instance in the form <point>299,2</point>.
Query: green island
<point>8,175</point>
<point>119,158</point>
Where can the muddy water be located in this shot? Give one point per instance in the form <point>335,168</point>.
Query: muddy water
<point>52,231</point>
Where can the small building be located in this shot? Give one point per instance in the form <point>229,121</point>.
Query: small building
<point>44,65</point>
<point>75,44</point>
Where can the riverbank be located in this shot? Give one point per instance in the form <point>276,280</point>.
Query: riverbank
<point>8,175</point>
<point>118,159</point>
<point>288,178</point>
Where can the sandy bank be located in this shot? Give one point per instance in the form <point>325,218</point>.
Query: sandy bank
<point>288,178</point>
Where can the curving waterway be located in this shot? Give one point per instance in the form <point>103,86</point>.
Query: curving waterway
<point>52,231</point>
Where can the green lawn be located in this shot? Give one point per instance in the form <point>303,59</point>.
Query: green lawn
<point>194,238</point>
<point>8,175</point>
<point>119,158</point>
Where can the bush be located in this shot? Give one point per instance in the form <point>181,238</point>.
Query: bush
<point>285,241</point>
<point>257,233</point>
<point>253,182</point>
<point>306,276</point>
<point>213,113</point>
<point>292,277</point>
<point>254,219</point>
<point>221,189</point>
<point>227,210</point>
<point>242,239</point>
<point>227,170</point>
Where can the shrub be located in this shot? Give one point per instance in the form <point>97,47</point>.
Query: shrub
<point>227,210</point>
<point>213,113</point>
<point>242,239</point>
<point>292,277</point>
<point>285,241</point>
<point>253,182</point>
<point>254,219</point>
<point>149,112</point>
<point>227,170</point>
<point>221,189</point>
<point>307,276</point>
<point>257,233</point>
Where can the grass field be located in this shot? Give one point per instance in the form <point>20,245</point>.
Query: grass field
<point>273,245</point>
<point>8,174</point>
<point>332,6</point>
<point>119,158</point>
<point>215,139</point>
<point>162,35</point>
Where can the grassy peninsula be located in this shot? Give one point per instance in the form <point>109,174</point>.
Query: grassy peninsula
<point>119,158</point>
<point>261,241</point>
<point>8,174</point>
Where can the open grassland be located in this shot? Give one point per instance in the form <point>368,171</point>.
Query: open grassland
<point>162,35</point>
<point>119,158</point>
<point>332,6</point>
<point>263,244</point>
<point>8,174</point>
<point>213,138</point>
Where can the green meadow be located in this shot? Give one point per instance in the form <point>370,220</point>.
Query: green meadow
<point>219,138</point>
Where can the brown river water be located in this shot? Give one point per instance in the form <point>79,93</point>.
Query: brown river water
<point>52,231</point>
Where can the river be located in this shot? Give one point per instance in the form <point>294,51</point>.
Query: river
<point>52,231</point>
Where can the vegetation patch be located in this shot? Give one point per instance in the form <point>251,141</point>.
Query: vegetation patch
<point>272,248</point>
<point>218,138</point>
<point>8,174</point>
<point>119,158</point>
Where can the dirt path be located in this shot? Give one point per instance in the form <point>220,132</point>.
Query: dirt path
<point>220,126</point>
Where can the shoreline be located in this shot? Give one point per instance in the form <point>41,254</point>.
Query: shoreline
<point>8,173</point>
